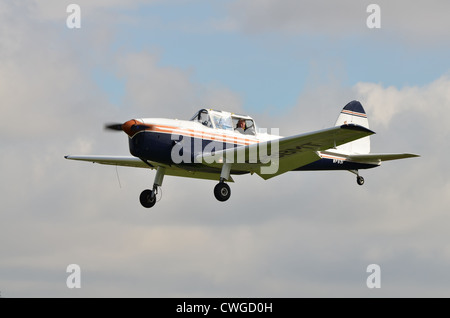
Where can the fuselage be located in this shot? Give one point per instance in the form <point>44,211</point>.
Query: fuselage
<point>172,141</point>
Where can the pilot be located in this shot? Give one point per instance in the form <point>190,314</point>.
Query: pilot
<point>240,127</point>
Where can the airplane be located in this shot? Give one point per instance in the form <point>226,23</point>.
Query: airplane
<point>215,145</point>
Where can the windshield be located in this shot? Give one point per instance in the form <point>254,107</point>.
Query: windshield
<point>222,121</point>
<point>203,118</point>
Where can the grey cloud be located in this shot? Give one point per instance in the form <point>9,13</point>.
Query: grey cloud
<point>298,16</point>
<point>413,21</point>
<point>155,91</point>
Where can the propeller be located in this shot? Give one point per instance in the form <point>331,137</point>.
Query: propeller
<point>130,127</point>
<point>113,126</point>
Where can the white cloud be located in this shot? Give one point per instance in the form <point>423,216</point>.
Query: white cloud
<point>431,101</point>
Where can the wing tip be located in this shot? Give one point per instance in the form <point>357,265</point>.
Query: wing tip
<point>408,155</point>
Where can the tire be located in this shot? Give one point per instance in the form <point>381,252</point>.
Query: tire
<point>360,180</point>
<point>222,191</point>
<point>147,198</point>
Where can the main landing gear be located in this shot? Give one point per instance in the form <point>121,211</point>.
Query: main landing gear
<point>148,197</point>
<point>359,179</point>
<point>222,190</point>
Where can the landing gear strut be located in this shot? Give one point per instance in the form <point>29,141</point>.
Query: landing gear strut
<point>359,179</point>
<point>222,190</point>
<point>148,197</point>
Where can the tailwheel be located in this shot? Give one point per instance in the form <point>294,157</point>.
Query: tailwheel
<point>222,191</point>
<point>360,180</point>
<point>147,198</point>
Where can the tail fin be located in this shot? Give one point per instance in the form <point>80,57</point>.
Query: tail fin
<point>353,113</point>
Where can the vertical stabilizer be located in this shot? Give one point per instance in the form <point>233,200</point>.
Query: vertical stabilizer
<point>353,113</point>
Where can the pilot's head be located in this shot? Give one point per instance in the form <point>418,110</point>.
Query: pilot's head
<point>241,123</point>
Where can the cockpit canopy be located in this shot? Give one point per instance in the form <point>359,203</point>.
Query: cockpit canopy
<point>225,121</point>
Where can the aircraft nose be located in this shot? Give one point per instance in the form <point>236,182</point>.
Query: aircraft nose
<point>131,127</point>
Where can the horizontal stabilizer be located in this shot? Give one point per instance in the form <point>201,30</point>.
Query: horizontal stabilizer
<point>377,158</point>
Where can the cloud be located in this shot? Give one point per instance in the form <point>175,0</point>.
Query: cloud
<point>149,87</point>
<point>54,10</point>
<point>153,90</point>
<point>400,202</point>
<point>430,101</point>
<point>297,16</point>
<point>415,22</point>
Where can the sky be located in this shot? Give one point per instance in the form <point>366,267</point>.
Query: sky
<point>290,65</point>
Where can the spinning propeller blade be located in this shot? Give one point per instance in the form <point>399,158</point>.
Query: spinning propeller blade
<point>130,127</point>
<point>114,126</point>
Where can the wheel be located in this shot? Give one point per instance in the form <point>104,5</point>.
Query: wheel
<point>360,180</point>
<point>222,191</point>
<point>147,198</point>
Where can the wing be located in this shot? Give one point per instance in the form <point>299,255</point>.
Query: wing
<point>139,163</point>
<point>377,158</point>
<point>112,160</point>
<point>272,158</point>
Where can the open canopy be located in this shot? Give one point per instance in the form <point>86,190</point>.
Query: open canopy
<point>225,121</point>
